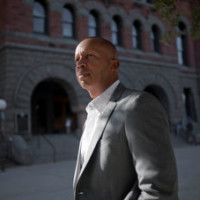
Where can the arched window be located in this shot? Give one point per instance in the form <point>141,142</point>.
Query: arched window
<point>155,39</point>
<point>68,22</point>
<point>116,29</point>
<point>181,45</point>
<point>137,35</point>
<point>93,24</point>
<point>114,32</point>
<point>39,17</point>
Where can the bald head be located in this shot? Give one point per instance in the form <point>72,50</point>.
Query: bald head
<point>99,42</point>
<point>106,44</point>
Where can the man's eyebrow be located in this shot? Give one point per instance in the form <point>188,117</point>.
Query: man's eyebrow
<point>85,52</point>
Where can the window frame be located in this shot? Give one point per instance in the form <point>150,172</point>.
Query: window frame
<point>68,23</point>
<point>137,35</point>
<point>38,18</point>
<point>181,44</point>
<point>155,36</point>
<point>116,31</point>
<point>93,25</point>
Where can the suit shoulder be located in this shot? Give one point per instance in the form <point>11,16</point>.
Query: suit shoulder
<point>132,94</point>
<point>135,97</point>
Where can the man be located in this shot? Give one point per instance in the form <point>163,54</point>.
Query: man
<point>125,151</point>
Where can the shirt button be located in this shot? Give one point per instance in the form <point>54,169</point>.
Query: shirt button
<point>80,193</point>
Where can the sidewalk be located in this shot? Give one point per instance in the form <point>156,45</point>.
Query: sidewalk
<point>53,181</point>
<point>188,163</point>
<point>50,181</point>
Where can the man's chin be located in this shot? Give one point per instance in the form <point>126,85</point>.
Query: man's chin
<point>84,84</point>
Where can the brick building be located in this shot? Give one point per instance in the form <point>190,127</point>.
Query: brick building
<point>37,74</point>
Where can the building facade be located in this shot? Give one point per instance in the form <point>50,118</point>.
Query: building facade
<point>37,70</point>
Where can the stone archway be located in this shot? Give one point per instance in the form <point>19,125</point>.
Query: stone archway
<point>50,107</point>
<point>63,76</point>
<point>159,84</point>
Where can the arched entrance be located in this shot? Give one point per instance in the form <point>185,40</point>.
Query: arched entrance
<point>160,94</point>
<point>50,107</point>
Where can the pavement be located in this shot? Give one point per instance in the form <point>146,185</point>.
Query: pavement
<point>53,181</point>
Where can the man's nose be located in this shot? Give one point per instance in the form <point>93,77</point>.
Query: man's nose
<point>81,63</point>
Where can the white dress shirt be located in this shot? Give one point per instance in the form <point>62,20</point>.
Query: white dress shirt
<point>94,109</point>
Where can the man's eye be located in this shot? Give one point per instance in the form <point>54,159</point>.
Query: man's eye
<point>89,56</point>
<point>76,60</point>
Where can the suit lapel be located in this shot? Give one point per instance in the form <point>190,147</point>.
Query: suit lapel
<point>77,168</point>
<point>103,120</point>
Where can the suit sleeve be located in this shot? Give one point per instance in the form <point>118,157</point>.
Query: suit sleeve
<point>147,133</point>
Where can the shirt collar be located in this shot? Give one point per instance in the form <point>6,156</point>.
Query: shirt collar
<point>100,102</point>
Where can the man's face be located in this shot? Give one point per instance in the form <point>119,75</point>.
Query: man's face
<point>94,66</point>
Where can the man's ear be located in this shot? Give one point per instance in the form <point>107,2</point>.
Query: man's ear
<point>115,64</point>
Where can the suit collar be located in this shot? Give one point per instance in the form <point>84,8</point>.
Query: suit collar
<point>117,93</point>
<point>100,102</point>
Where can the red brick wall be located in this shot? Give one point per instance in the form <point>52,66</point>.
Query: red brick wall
<point>55,24</point>
<point>17,16</point>
<point>2,16</point>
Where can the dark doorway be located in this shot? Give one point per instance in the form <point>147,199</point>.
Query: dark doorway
<point>189,104</point>
<point>160,94</point>
<point>50,106</point>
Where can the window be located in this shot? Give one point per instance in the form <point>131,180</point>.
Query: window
<point>68,22</point>
<point>181,46</point>
<point>93,25</point>
<point>155,39</point>
<point>116,31</point>
<point>39,18</point>
<point>137,35</point>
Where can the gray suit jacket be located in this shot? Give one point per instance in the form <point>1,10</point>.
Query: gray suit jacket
<point>131,155</point>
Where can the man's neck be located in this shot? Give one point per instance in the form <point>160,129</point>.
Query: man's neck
<point>94,93</point>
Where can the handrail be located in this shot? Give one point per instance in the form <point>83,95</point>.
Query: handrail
<point>51,145</point>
